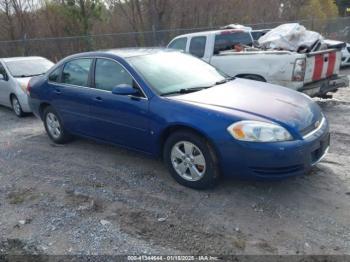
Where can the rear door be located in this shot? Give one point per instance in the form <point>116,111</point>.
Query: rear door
<point>70,94</point>
<point>321,65</point>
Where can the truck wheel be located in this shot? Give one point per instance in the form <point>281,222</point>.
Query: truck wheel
<point>54,126</point>
<point>191,160</point>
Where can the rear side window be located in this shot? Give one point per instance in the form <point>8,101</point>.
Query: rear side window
<point>179,44</point>
<point>76,72</point>
<point>197,46</point>
<point>109,74</point>
<point>55,75</point>
<point>226,41</point>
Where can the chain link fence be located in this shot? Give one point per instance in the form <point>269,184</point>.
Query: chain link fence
<point>56,48</point>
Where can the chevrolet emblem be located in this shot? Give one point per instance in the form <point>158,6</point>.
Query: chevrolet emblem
<point>317,123</point>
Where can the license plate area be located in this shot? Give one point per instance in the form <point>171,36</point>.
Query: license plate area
<point>320,152</point>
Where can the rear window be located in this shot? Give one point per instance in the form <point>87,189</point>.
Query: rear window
<point>226,41</point>
<point>28,68</point>
<point>257,34</point>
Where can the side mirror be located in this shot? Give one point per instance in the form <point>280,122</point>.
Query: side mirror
<point>124,90</point>
<point>2,77</point>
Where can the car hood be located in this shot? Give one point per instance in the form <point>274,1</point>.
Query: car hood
<point>274,103</point>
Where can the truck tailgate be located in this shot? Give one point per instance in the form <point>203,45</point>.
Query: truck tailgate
<point>322,64</point>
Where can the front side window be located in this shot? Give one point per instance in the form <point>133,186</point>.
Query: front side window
<point>29,67</point>
<point>76,72</point>
<point>179,44</point>
<point>168,72</point>
<point>197,46</point>
<point>109,74</point>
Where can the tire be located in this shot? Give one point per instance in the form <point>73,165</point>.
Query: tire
<point>184,153</point>
<point>54,126</point>
<point>254,77</point>
<point>16,106</point>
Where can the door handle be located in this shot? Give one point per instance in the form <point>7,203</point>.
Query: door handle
<point>57,91</point>
<point>98,99</point>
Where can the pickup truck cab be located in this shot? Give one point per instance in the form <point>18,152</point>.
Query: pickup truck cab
<point>314,73</point>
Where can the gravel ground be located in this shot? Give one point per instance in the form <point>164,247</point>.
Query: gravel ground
<point>91,198</point>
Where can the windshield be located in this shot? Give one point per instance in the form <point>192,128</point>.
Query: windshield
<point>27,68</point>
<point>171,72</point>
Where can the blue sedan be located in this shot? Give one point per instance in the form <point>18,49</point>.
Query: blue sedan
<point>164,103</point>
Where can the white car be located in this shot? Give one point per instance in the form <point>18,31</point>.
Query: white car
<point>15,74</point>
<point>345,55</point>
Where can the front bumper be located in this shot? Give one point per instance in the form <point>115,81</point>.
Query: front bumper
<point>321,88</point>
<point>274,160</point>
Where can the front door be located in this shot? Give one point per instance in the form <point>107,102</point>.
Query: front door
<point>119,119</point>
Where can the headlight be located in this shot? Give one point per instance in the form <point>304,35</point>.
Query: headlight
<point>256,131</point>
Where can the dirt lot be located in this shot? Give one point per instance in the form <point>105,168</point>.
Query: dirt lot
<point>90,198</point>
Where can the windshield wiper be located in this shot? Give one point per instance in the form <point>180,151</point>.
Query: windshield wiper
<point>225,80</point>
<point>186,90</point>
<point>22,76</point>
<point>195,89</point>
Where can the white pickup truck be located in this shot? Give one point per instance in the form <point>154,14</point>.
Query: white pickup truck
<point>314,73</point>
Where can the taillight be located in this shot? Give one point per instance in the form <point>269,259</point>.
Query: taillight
<point>28,88</point>
<point>299,70</point>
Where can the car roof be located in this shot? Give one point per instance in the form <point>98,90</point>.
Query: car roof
<point>122,52</point>
<point>212,32</point>
<point>131,52</point>
<point>21,58</point>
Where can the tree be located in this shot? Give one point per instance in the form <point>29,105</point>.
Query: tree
<point>342,7</point>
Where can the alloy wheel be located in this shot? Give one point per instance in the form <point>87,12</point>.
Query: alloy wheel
<point>53,125</point>
<point>16,106</point>
<point>188,161</point>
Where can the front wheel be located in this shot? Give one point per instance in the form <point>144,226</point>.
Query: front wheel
<point>54,127</point>
<point>191,160</point>
<point>16,106</point>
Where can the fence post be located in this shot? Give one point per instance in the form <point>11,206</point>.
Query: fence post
<point>154,34</point>
<point>25,47</point>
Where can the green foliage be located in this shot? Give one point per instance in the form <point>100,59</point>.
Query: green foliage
<point>83,12</point>
<point>319,9</point>
<point>342,6</point>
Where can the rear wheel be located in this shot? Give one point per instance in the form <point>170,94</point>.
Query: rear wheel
<point>54,126</point>
<point>16,106</point>
<point>191,160</point>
